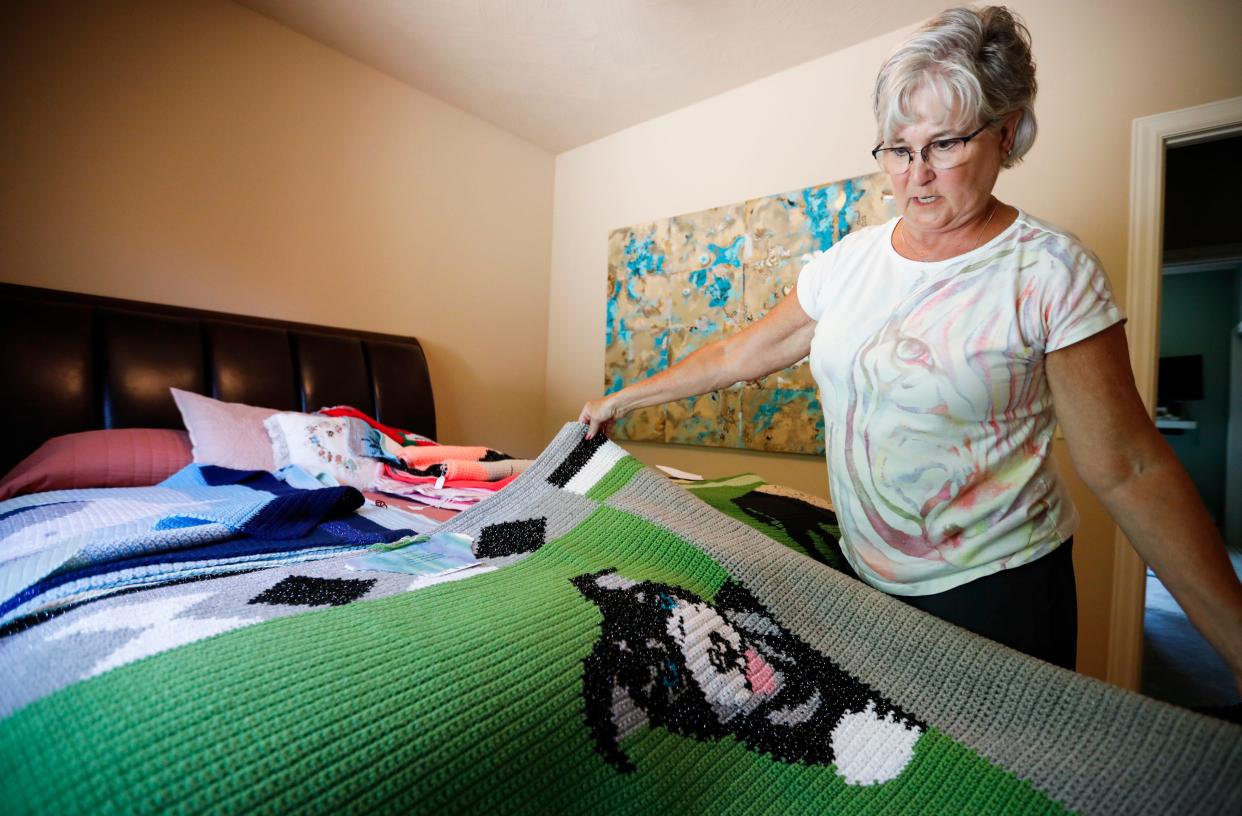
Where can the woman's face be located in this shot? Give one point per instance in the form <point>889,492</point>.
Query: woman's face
<point>943,200</point>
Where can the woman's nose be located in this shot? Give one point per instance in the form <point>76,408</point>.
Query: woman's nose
<point>921,171</point>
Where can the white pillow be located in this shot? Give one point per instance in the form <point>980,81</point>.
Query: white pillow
<point>227,434</point>
<point>325,446</point>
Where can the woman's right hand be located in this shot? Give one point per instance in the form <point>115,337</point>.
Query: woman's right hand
<point>600,414</point>
<point>780,339</point>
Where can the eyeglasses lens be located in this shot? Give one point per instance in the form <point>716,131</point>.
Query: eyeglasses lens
<point>939,155</point>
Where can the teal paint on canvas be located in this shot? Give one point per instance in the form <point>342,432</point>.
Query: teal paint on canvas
<point>678,284</point>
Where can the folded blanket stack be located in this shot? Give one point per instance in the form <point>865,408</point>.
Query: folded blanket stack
<point>637,651</point>
<point>453,477</point>
<point>397,435</point>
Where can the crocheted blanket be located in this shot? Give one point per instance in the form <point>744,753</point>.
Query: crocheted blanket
<point>636,650</point>
<point>62,545</point>
<point>802,522</point>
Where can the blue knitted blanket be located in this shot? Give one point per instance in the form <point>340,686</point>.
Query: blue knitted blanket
<point>69,544</point>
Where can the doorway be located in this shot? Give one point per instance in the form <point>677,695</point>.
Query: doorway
<point>1200,351</point>
<point>1153,138</point>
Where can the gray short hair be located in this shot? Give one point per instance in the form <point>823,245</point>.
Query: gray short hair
<point>977,61</point>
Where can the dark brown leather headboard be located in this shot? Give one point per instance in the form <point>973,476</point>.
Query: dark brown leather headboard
<point>71,362</point>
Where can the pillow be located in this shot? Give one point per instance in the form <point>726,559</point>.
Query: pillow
<point>334,447</point>
<point>125,457</point>
<point>227,434</point>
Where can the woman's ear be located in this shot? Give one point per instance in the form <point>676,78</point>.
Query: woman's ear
<point>1009,131</point>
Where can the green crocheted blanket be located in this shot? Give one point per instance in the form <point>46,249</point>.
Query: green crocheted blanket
<point>636,651</point>
<point>802,522</point>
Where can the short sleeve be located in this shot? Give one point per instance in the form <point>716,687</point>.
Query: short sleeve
<point>811,283</point>
<point>1077,300</point>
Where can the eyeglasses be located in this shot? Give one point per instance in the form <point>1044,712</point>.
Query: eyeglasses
<point>942,154</point>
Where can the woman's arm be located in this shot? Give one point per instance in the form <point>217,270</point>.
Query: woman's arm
<point>1127,464</point>
<point>780,339</point>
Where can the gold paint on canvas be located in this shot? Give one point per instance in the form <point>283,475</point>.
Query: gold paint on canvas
<point>678,284</point>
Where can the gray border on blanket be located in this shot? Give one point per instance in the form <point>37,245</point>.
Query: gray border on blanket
<point>1059,731</point>
<point>530,495</point>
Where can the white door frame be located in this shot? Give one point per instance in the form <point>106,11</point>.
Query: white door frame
<point>1150,137</point>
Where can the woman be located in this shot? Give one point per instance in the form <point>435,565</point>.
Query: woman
<point>946,345</point>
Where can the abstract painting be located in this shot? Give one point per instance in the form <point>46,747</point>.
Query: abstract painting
<point>677,284</point>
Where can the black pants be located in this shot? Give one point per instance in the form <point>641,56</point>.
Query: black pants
<point>1032,608</point>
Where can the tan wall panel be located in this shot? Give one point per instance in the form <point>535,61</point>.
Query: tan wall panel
<point>200,154</point>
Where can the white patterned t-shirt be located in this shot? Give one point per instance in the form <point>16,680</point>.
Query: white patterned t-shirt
<point>939,417</point>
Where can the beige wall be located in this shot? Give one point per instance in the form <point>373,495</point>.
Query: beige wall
<point>196,153</point>
<point>199,154</point>
<point>1101,64</point>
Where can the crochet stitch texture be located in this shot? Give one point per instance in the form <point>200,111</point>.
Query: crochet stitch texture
<point>752,670</point>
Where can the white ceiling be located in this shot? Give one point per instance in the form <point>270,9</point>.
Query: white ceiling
<point>561,73</point>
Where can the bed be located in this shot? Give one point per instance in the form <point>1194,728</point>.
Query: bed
<point>81,362</point>
<point>630,645</point>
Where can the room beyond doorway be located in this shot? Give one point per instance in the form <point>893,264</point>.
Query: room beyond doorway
<point>1199,397</point>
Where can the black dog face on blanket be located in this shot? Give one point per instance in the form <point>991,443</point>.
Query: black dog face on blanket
<point>668,658</point>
